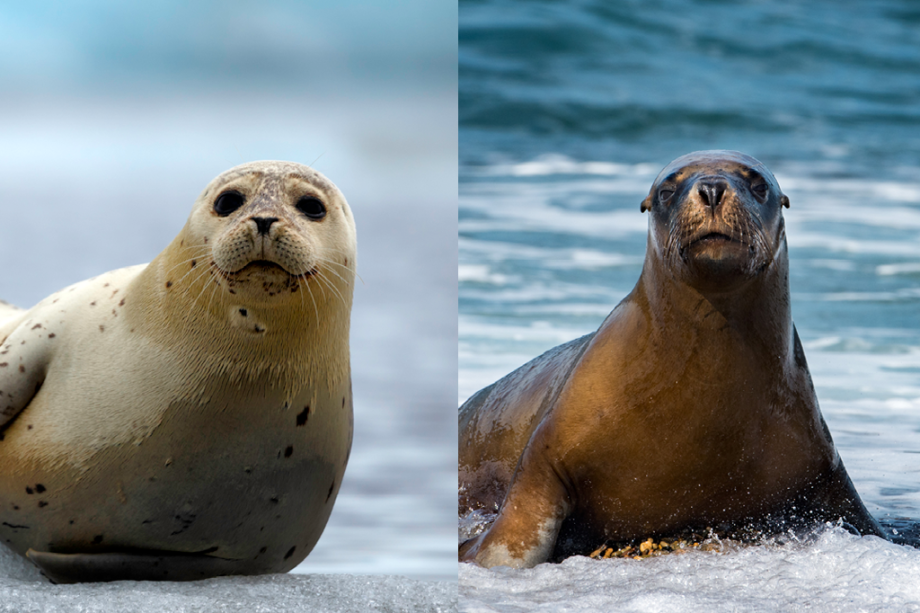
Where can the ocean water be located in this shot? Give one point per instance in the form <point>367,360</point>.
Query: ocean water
<point>567,113</point>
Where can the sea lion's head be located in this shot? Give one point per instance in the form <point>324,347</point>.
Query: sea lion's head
<point>716,219</point>
<point>270,230</point>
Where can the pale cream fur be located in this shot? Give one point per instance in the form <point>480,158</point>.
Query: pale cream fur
<point>140,364</point>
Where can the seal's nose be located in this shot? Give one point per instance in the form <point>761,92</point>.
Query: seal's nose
<point>264,223</point>
<point>711,189</point>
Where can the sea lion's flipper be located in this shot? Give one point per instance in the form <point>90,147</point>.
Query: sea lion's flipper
<point>154,566</point>
<point>524,533</point>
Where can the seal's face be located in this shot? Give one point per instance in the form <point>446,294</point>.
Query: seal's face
<point>267,229</point>
<point>716,218</point>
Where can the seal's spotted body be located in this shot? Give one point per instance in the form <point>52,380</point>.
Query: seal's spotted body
<point>156,410</point>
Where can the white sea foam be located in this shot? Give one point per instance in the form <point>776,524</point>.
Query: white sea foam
<point>835,572</point>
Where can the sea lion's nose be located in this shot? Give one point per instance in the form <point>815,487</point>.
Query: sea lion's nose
<point>264,223</point>
<point>711,189</point>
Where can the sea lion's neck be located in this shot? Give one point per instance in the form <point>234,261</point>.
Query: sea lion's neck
<point>758,314</point>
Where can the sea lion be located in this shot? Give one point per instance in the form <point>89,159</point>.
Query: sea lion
<point>191,417</point>
<point>690,408</point>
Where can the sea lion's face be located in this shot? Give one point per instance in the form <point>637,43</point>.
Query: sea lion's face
<point>716,219</point>
<point>270,229</point>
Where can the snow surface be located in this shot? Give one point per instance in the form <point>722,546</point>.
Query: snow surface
<point>837,571</point>
<point>24,590</point>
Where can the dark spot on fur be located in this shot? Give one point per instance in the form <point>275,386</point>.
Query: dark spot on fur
<point>122,303</point>
<point>147,521</point>
<point>263,550</point>
<point>331,487</point>
<point>29,490</point>
<point>274,499</point>
<point>205,239</point>
<point>97,539</point>
<point>289,451</point>
<point>39,488</point>
<point>51,335</point>
<point>194,263</point>
<point>231,291</point>
<point>244,312</point>
<point>22,368</point>
<point>29,427</point>
<point>303,416</point>
<point>15,508</point>
<point>343,402</point>
<point>168,284</point>
<point>290,552</point>
<point>71,522</point>
<point>101,328</point>
<point>105,285</point>
<point>93,303</point>
<point>42,503</point>
<point>4,364</point>
<point>36,326</point>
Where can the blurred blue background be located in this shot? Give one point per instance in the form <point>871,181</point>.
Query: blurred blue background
<point>114,116</point>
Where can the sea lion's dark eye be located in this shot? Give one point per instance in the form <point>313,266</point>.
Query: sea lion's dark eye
<point>760,190</point>
<point>228,202</point>
<point>312,207</point>
<point>665,194</point>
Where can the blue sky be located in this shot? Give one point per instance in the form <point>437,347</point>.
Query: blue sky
<point>229,45</point>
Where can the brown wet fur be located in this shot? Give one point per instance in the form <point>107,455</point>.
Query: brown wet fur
<point>691,407</point>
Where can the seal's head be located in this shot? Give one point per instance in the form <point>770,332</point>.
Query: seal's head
<point>716,219</point>
<point>267,230</point>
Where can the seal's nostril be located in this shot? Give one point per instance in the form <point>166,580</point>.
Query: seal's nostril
<point>264,223</point>
<point>711,190</point>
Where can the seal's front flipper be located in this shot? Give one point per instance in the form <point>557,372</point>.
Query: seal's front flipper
<point>154,566</point>
<point>24,357</point>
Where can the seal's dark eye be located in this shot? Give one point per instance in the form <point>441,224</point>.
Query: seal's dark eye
<point>228,202</point>
<point>665,194</point>
<point>760,190</point>
<point>311,207</point>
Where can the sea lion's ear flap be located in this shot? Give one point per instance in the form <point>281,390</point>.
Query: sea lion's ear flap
<point>784,201</point>
<point>646,204</point>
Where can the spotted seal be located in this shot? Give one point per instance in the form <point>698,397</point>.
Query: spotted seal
<point>191,417</point>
